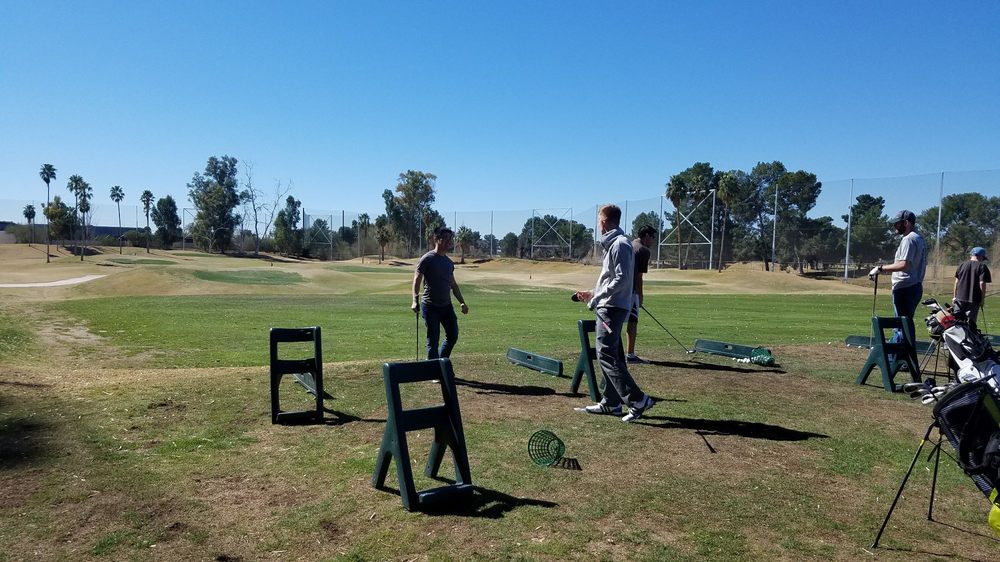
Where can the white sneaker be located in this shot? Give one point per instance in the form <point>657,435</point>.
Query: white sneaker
<point>601,409</point>
<point>635,413</point>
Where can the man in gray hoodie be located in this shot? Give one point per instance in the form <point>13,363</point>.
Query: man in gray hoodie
<point>611,300</point>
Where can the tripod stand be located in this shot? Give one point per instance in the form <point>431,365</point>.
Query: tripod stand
<point>936,453</point>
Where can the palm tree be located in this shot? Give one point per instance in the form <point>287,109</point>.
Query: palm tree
<point>86,194</point>
<point>75,185</point>
<point>147,204</point>
<point>47,173</point>
<point>29,214</point>
<point>727,193</point>
<point>675,192</point>
<point>364,221</point>
<point>117,195</point>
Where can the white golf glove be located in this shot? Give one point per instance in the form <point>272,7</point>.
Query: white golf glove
<point>874,272</point>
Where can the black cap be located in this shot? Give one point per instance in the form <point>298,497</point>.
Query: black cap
<point>904,215</point>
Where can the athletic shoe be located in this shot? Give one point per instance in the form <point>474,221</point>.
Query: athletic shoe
<point>635,413</point>
<point>601,409</point>
<point>633,358</point>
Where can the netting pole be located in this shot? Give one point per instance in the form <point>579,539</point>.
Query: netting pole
<point>492,237</point>
<point>850,215</point>
<point>711,242</point>
<point>937,239</point>
<point>571,234</point>
<point>659,234</point>
<point>774,230</point>
<point>531,250</point>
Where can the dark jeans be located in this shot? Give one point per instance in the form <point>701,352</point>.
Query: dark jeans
<point>905,302</point>
<point>436,317</point>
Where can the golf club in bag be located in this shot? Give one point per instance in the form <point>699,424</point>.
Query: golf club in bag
<point>972,353</point>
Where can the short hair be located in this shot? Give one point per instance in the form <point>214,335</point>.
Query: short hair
<point>646,230</point>
<point>442,232</point>
<point>612,213</point>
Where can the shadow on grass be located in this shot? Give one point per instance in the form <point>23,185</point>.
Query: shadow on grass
<point>701,366</point>
<point>339,418</point>
<point>21,441</point>
<point>730,427</point>
<point>483,503</point>
<point>500,388</point>
<point>948,555</point>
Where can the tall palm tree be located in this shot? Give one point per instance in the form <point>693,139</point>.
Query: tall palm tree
<point>147,204</point>
<point>364,221</point>
<point>86,194</point>
<point>117,195</point>
<point>75,185</point>
<point>29,214</point>
<point>47,173</point>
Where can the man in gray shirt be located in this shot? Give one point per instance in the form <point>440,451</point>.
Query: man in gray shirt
<point>907,270</point>
<point>437,273</point>
<point>611,300</point>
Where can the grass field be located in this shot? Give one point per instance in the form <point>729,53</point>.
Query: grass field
<point>134,425</point>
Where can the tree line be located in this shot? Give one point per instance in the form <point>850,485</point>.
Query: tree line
<point>758,215</point>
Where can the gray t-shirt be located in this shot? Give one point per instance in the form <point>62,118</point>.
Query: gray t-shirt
<point>912,249</point>
<point>438,271</point>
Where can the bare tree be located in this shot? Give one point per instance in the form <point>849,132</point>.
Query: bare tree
<point>263,210</point>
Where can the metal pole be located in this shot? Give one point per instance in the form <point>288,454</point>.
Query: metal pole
<point>937,239</point>
<point>659,233</point>
<point>850,213</point>
<point>711,241</point>
<point>774,231</point>
<point>531,249</point>
<point>571,234</point>
<point>626,214</point>
<point>492,238</point>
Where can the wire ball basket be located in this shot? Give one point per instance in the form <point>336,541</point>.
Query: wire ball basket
<point>544,448</point>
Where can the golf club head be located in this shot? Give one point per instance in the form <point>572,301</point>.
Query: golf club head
<point>928,302</point>
<point>574,298</point>
<point>914,386</point>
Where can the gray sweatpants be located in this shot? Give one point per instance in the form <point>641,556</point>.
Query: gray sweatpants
<point>619,386</point>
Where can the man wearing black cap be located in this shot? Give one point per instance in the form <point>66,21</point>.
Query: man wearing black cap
<point>908,269</point>
<point>970,284</point>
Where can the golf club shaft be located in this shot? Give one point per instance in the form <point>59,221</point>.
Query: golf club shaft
<point>417,317</point>
<point>665,329</point>
<point>871,331</point>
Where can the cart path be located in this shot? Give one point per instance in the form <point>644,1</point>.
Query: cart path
<point>60,283</point>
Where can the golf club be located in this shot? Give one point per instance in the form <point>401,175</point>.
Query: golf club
<point>982,310</point>
<point>666,330</point>
<point>417,317</point>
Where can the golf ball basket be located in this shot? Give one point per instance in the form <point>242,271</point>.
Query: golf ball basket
<point>545,448</point>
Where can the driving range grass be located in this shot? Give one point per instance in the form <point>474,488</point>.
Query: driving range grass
<point>232,330</point>
<point>250,277</point>
<point>172,456</point>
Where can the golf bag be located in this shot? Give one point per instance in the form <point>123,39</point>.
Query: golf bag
<point>974,358</point>
<point>969,417</point>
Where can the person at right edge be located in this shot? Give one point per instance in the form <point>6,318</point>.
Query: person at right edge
<point>907,271</point>
<point>611,301</point>
<point>970,284</point>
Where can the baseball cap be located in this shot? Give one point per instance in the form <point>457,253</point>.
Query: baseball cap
<point>979,252</point>
<point>904,215</point>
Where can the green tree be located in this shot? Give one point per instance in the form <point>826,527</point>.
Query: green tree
<point>60,218</point>
<point>118,195</point>
<point>871,233</point>
<point>797,193</point>
<point>553,237</point>
<point>215,195</point>
<point>649,218</point>
<point>287,236</point>
<point>967,220</point>
<point>733,188</point>
<point>85,195</point>
<point>75,185</point>
<point>466,238</point>
<point>47,173</point>
<point>168,223</point>
<point>29,215</point>
<point>762,178</point>
<point>383,235</point>
<point>508,245</point>
<point>147,204</point>
<point>410,206</point>
<point>364,223</point>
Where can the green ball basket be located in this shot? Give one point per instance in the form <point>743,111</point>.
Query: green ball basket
<point>544,448</point>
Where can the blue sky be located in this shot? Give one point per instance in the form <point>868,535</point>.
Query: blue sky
<point>513,105</point>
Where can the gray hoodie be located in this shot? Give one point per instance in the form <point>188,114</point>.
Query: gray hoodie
<point>614,285</point>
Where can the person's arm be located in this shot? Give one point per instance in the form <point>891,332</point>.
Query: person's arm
<point>458,295</point>
<point>637,282</point>
<point>417,279</point>
<point>619,264</point>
